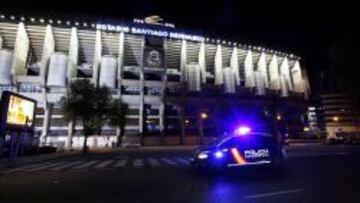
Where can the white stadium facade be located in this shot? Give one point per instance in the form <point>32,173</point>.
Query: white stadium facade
<point>165,75</point>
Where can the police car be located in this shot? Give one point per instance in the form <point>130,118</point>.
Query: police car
<point>240,149</point>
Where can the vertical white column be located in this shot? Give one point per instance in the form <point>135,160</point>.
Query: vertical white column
<point>1,42</point>
<point>263,70</point>
<point>161,117</point>
<point>234,63</point>
<point>142,88</point>
<point>218,66</point>
<point>120,60</point>
<point>249,70</point>
<point>202,62</point>
<point>48,50</point>
<point>97,57</point>
<point>296,77</point>
<point>284,70</point>
<point>46,124</point>
<point>120,65</point>
<point>71,127</point>
<point>163,92</point>
<point>73,55</point>
<point>71,73</point>
<point>285,77</point>
<point>21,51</point>
<point>183,56</point>
<point>274,74</point>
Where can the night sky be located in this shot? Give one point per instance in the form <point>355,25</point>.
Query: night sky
<point>305,29</point>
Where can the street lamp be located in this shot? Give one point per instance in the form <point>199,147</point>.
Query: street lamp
<point>335,118</point>
<point>204,115</point>
<point>278,117</point>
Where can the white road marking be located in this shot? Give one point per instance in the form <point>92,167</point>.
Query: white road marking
<point>296,155</point>
<point>120,163</point>
<point>44,167</point>
<point>182,160</point>
<point>282,192</point>
<point>154,162</point>
<point>68,164</point>
<point>103,164</point>
<point>169,161</point>
<point>22,168</point>
<point>138,162</point>
<point>85,165</point>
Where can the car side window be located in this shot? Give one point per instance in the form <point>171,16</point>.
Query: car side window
<point>232,142</point>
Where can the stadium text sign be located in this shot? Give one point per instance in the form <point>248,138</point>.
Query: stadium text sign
<point>149,31</point>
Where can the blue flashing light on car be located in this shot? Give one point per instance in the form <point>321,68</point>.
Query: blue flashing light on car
<point>242,130</point>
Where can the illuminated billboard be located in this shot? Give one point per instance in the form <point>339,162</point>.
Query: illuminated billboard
<point>17,112</point>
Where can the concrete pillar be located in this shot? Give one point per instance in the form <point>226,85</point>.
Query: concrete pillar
<point>120,61</point>
<point>21,51</point>
<point>274,82</point>
<point>46,123</point>
<point>183,61</point>
<point>141,107</point>
<point>48,50</point>
<point>218,66</point>
<point>142,89</point>
<point>202,62</point>
<point>297,78</point>
<point>162,118</point>
<point>285,70</point>
<point>97,57</point>
<point>69,141</point>
<point>285,78</point>
<point>234,63</point>
<point>73,56</point>
<point>262,68</point>
<point>249,70</point>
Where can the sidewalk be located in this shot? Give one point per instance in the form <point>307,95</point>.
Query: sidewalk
<point>303,142</point>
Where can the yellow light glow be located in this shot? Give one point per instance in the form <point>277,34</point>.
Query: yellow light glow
<point>278,117</point>
<point>20,111</point>
<point>306,129</point>
<point>335,118</point>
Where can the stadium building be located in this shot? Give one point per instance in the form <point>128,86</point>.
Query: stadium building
<point>172,80</point>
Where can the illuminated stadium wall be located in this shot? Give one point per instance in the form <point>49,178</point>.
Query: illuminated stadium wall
<point>165,75</point>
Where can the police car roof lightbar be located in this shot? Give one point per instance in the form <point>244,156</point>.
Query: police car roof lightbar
<point>242,130</point>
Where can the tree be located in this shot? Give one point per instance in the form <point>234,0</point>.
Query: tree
<point>117,117</point>
<point>87,103</point>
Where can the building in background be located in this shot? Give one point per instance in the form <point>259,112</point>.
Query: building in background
<point>338,115</point>
<point>168,77</point>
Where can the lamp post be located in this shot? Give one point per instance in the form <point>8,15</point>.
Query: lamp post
<point>203,116</point>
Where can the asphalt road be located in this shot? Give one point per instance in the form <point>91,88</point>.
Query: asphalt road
<point>312,174</point>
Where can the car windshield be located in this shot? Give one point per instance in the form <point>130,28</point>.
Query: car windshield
<point>220,141</point>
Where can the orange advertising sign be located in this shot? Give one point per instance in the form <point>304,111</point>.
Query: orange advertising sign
<point>20,111</point>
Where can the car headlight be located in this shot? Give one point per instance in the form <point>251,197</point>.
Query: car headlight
<point>203,155</point>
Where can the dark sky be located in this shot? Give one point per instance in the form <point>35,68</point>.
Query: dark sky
<point>303,28</point>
